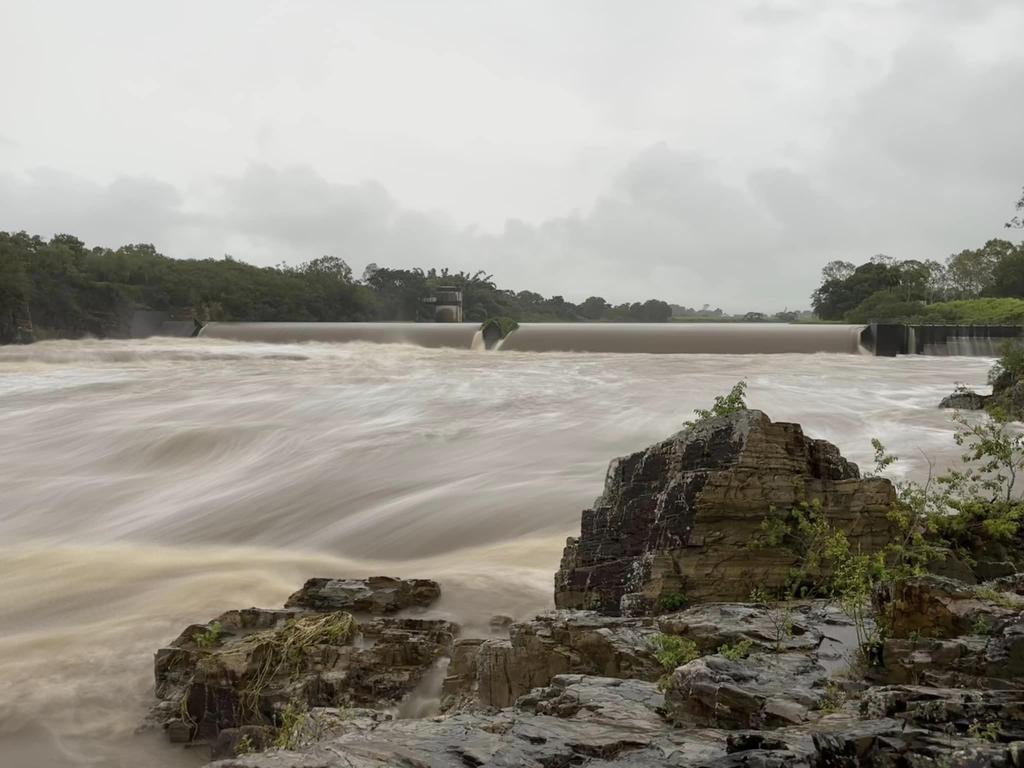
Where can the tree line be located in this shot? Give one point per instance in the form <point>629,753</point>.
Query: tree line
<point>985,284</point>
<point>64,289</point>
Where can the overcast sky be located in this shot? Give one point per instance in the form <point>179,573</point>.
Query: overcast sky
<point>696,151</point>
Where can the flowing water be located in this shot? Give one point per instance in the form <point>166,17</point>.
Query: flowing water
<point>145,485</point>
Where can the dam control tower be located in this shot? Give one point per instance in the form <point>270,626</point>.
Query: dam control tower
<point>447,301</point>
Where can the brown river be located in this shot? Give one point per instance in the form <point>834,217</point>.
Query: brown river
<point>145,485</point>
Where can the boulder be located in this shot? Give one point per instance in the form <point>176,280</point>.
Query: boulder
<point>779,627</point>
<point>760,691</point>
<point>940,607</point>
<point>951,710</point>
<point>495,672</point>
<point>246,668</point>
<point>676,521</point>
<point>964,400</point>
<point>993,660</point>
<point>376,595</point>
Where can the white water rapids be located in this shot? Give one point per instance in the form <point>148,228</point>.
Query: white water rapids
<point>145,485</point>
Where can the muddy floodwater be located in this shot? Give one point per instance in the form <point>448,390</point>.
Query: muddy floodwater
<point>145,485</point>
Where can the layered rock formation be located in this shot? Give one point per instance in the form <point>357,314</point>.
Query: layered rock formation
<point>593,721</point>
<point>245,668</point>
<point>676,521</point>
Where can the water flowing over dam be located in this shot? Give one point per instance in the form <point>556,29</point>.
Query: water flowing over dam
<point>149,484</point>
<point>651,338</point>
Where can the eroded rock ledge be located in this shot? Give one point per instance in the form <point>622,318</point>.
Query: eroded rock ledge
<point>677,519</point>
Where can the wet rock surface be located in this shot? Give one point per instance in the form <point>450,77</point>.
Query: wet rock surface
<point>964,400</point>
<point>677,519</point>
<point>495,672</point>
<point>594,721</point>
<point>247,667</point>
<point>933,606</point>
<point>764,690</point>
<point>375,595</point>
<point>327,681</point>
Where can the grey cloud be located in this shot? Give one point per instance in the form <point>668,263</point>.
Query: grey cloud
<point>128,209</point>
<point>918,165</point>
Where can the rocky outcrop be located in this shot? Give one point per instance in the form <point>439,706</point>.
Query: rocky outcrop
<point>944,633</point>
<point>495,672</point>
<point>761,691</point>
<point>937,607</point>
<point>375,595</point>
<point>676,521</point>
<point>593,721</point>
<point>964,400</point>
<point>245,668</point>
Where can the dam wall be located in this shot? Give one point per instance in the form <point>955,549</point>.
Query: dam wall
<point>646,338</point>
<point>891,339</point>
<point>435,335</point>
<point>880,339</point>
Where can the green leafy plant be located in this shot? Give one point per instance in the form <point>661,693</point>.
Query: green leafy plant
<point>984,731</point>
<point>981,627</point>
<point>673,651</point>
<point>289,730</point>
<point>737,651</point>
<point>834,699</point>
<point>1009,366</point>
<point>993,595</point>
<point>733,402</point>
<point>673,601</point>
<point>245,746</point>
<point>211,637</point>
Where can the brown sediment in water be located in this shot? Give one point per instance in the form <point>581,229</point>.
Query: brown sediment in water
<point>151,484</point>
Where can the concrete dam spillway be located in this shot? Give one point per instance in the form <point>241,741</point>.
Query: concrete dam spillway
<point>883,340</point>
<point>649,338</point>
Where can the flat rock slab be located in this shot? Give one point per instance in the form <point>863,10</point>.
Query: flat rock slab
<point>376,595</point>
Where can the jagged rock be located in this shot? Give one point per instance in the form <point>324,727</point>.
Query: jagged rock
<point>375,595</point>
<point>245,667</point>
<point>678,518</point>
<point>994,660</point>
<point>955,710</point>
<point>934,606</point>
<point>580,720</point>
<point>781,627</point>
<point>616,723</point>
<point>964,400</point>
<point>495,672</point>
<point>761,691</point>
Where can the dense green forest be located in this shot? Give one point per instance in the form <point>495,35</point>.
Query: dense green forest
<point>983,285</point>
<point>62,288</point>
